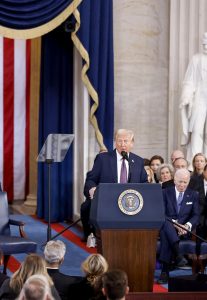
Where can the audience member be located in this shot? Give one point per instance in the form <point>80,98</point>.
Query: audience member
<point>180,163</point>
<point>176,154</point>
<point>199,162</point>
<point>36,287</point>
<point>181,207</point>
<point>118,166</point>
<point>155,162</point>
<point>3,276</point>
<point>54,253</point>
<point>150,174</point>
<point>199,183</point>
<point>33,264</point>
<point>90,287</point>
<point>146,161</point>
<point>165,173</point>
<point>115,285</point>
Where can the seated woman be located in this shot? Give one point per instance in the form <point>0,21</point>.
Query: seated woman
<point>199,162</point>
<point>90,287</point>
<point>155,162</point>
<point>150,174</point>
<point>33,264</point>
<point>165,174</point>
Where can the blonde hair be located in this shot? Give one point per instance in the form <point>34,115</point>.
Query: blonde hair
<point>151,174</point>
<point>33,264</point>
<point>94,267</point>
<point>123,132</point>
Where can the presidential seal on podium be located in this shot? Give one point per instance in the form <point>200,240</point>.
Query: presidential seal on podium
<point>130,202</point>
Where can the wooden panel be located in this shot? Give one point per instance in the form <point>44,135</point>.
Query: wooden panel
<point>166,296</point>
<point>133,251</point>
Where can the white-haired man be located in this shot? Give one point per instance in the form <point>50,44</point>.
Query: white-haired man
<point>182,207</point>
<point>36,287</point>
<point>54,253</point>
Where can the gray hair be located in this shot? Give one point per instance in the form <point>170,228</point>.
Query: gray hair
<point>181,172</point>
<point>54,251</point>
<point>36,287</point>
<point>162,166</point>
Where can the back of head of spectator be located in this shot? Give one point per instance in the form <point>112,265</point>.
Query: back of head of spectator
<point>115,285</point>
<point>54,252</point>
<point>36,287</point>
<point>94,266</point>
<point>33,264</point>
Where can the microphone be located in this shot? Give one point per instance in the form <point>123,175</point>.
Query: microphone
<point>124,155</point>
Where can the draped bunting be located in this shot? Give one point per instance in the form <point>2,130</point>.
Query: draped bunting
<point>93,38</point>
<point>29,19</point>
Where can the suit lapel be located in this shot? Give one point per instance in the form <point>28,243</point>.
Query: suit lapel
<point>174,200</point>
<point>113,162</point>
<point>186,198</point>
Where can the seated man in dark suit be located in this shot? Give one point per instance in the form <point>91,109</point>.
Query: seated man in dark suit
<point>181,207</point>
<point>117,166</point>
<point>199,184</point>
<point>54,253</point>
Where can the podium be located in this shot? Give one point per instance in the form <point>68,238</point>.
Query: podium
<point>128,218</point>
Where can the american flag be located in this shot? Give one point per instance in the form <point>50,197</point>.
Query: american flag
<point>14,116</point>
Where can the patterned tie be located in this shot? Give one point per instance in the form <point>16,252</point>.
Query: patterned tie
<point>123,174</point>
<point>179,201</point>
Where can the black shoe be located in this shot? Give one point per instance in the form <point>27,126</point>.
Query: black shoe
<point>163,279</point>
<point>181,261</point>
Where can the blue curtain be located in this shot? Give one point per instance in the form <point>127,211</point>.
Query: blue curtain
<point>56,116</point>
<point>27,14</point>
<point>96,35</point>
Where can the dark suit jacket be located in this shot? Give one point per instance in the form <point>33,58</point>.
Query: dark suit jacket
<point>84,291</point>
<point>105,170</point>
<point>62,282</point>
<point>198,185</point>
<point>189,210</point>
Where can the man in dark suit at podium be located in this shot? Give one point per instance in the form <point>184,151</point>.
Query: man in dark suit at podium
<point>117,166</point>
<point>181,206</point>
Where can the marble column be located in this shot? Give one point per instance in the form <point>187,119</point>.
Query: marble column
<point>141,56</point>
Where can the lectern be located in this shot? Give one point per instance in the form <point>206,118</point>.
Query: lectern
<point>128,218</point>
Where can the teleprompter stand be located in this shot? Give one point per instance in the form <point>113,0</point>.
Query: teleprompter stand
<point>54,150</point>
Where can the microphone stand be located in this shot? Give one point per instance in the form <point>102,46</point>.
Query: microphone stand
<point>190,232</point>
<point>59,233</point>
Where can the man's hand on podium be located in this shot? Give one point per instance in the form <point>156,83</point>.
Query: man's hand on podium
<point>91,192</point>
